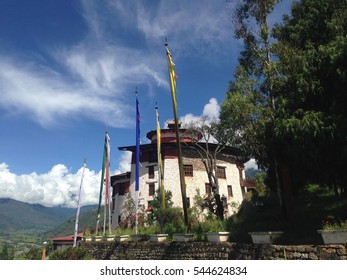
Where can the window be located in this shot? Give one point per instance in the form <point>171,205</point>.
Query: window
<point>151,189</point>
<point>230,191</point>
<point>221,172</point>
<point>121,188</point>
<point>150,204</point>
<point>208,189</point>
<point>152,156</point>
<point>151,172</point>
<point>188,202</point>
<point>113,203</point>
<point>188,170</point>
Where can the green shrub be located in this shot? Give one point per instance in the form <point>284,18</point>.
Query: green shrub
<point>123,231</point>
<point>71,253</point>
<point>210,225</point>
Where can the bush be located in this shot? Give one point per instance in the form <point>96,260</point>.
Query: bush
<point>71,253</point>
<point>210,225</point>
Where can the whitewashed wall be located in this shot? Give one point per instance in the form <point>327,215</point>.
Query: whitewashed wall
<point>172,183</point>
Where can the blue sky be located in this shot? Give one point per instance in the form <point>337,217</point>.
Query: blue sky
<point>69,70</point>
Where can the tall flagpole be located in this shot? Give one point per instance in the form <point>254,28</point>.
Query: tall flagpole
<point>137,163</point>
<point>108,182</point>
<point>102,182</point>
<point>78,206</point>
<point>173,77</point>
<point>160,170</point>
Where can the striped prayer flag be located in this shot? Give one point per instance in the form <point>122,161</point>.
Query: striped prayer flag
<point>160,163</point>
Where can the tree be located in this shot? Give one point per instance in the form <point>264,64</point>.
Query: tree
<point>170,218</point>
<point>290,93</point>
<point>249,109</point>
<point>129,213</point>
<point>34,253</point>
<point>311,118</point>
<point>209,141</point>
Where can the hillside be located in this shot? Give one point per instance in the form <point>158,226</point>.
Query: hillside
<point>16,216</point>
<point>87,219</point>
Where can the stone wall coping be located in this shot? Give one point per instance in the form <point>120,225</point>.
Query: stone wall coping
<point>265,232</point>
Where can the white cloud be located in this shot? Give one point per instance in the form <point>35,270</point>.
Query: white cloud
<point>99,81</point>
<point>57,187</point>
<point>210,112</point>
<point>251,164</point>
<point>91,78</point>
<point>124,164</point>
<point>198,25</point>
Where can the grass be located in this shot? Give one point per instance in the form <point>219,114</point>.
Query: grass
<point>311,207</point>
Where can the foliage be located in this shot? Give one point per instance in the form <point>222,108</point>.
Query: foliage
<point>256,213</point>
<point>261,188</point>
<point>197,211</point>
<point>209,225</point>
<point>286,104</point>
<point>129,213</point>
<point>70,253</point>
<point>262,213</point>
<point>332,223</point>
<point>123,231</point>
<point>208,141</point>
<point>170,219</point>
<point>311,117</point>
<point>247,113</point>
<point>7,252</point>
<point>34,253</point>
<point>147,231</point>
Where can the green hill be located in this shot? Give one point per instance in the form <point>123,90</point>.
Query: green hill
<point>87,219</point>
<point>16,216</point>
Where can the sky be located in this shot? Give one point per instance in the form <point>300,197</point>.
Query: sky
<point>69,70</point>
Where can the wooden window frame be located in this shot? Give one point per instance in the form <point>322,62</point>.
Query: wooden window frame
<point>208,189</point>
<point>230,191</point>
<point>151,172</point>
<point>188,170</point>
<point>121,190</point>
<point>151,189</point>
<point>221,172</point>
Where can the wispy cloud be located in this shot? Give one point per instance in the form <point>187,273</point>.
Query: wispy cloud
<point>201,27</point>
<point>94,78</point>
<point>47,97</point>
<point>97,86</point>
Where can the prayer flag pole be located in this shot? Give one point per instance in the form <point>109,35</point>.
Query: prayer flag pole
<point>137,163</point>
<point>173,77</point>
<point>78,206</point>
<point>160,170</point>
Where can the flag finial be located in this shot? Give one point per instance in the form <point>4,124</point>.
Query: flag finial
<point>166,43</point>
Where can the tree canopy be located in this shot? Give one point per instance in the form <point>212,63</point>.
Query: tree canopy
<point>286,104</point>
<point>311,116</point>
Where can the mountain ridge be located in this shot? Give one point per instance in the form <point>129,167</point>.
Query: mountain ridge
<point>17,216</point>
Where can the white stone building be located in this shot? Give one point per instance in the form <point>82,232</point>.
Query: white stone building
<point>232,185</point>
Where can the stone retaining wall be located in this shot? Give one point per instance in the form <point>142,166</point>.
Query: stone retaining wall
<point>212,251</point>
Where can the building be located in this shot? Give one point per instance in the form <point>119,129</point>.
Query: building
<point>230,172</point>
<point>61,243</point>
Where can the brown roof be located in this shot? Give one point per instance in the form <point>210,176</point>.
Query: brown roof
<point>66,238</point>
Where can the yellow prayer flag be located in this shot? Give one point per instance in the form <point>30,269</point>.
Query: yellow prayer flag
<point>172,75</point>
